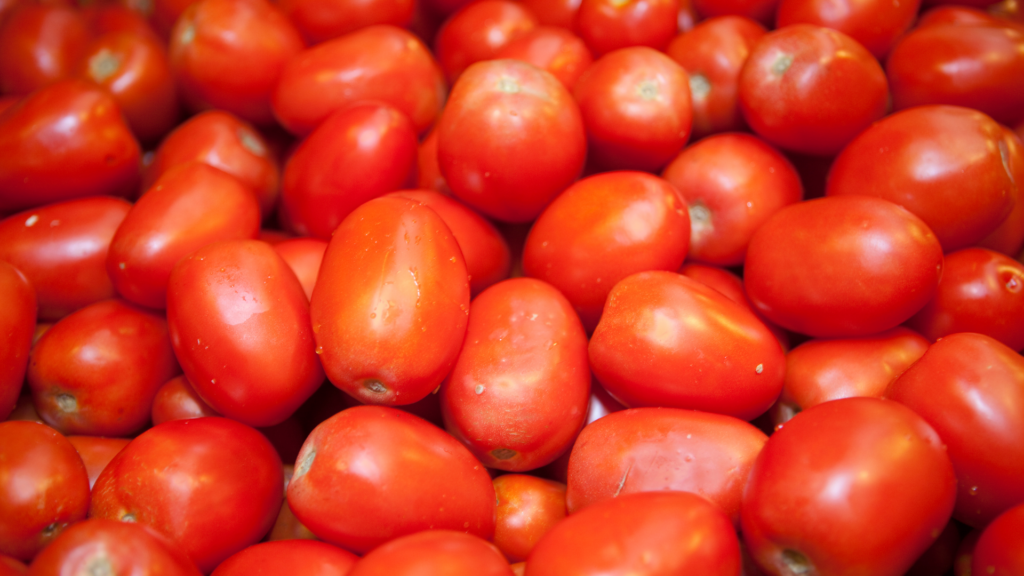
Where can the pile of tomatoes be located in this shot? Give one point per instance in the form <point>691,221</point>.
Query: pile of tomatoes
<point>474,287</point>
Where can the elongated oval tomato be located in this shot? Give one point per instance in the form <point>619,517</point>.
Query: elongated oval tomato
<point>370,474</point>
<point>182,477</point>
<point>434,552</point>
<point>667,340</point>
<point>519,391</point>
<point>390,305</point>
<point>17,325</point>
<point>239,323</point>
<point>295,557</point>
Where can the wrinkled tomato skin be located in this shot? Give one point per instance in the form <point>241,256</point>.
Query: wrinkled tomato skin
<point>840,267</point>
<point>602,229</point>
<point>176,477</point>
<point>356,154</point>
<point>184,211</point>
<point>969,387</point>
<point>296,557</point>
<point>981,291</point>
<point>640,534</point>
<point>811,89</point>
<point>943,163</point>
<point>65,141</point>
<point>608,25</point>
<point>430,481</point>
<point>43,487</point>
<point>239,324</point>
<point>97,370</point>
<point>390,306</point>
<point>510,139</point>
<point>979,66</point>
<point>434,552</point>
<point>660,449</point>
<point>519,390</point>
<point>821,370</point>
<point>477,32</point>
<point>528,508</point>
<point>96,452</point>
<point>381,63</point>
<point>320,20</point>
<point>39,44</point>
<point>553,49</point>
<point>303,256</point>
<point>999,548</point>
<point>872,471</point>
<point>876,24</point>
<point>99,544</point>
<point>17,325</point>
<point>667,340</point>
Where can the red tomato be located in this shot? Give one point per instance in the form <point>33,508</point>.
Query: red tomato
<point>97,370</point>
<point>185,210</point>
<point>180,477</point>
<point>511,139</point>
<point>662,449</point>
<point>842,266</point>
<point>970,387</point>
<point>528,508</point>
<point>602,229</point>
<point>761,10</point>
<point>295,557</point>
<point>303,256</point>
<point>96,452</point>
<point>177,400</point>
<point>65,141</point>
<point>607,25</point>
<point>39,44</point>
<point>857,485</point>
<point>101,546</point>
<point>553,49</point>
<point>640,534</point>
<point>321,20</point>
<point>521,414</point>
<point>1008,237</point>
<point>17,325</point>
<point>389,307</point>
<point>1000,548</point>
<point>875,24</point>
<point>477,32</point>
<point>560,13</point>
<point>636,108</point>
<point>371,474</point>
<point>43,487</point>
<point>240,327</point>
<point>940,556</point>
<point>429,175</point>
<point>811,89</point>
<point>666,340</point>
<point>434,552</point>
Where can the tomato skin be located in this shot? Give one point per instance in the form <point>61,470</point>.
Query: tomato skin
<point>319,20</point>
<point>303,256</point>
<point>602,229</point>
<point>177,400</point>
<point>210,39</point>
<point>98,544</point>
<point>1008,237</point>
<point>97,370</point>
<point>96,452</point>
<point>811,89</point>
<point>43,487</point>
<point>184,211</point>
<point>842,266</point>
<point>608,25</point>
<point>39,44</point>
<point>355,154</point>
<point>667,340</point>
<point>559,13</point>
<point>434,552</point>
<point>999,548</point>
<point>390,306</point>
<point>510,139</point>
<point>969,387</point>
<point>640,534</point>
<point>18,325</point>
<point>382,63</point>
<point>877,24</point>
<point>477,32</point>
<point>370,474</point>
<point>297,557</point>
<point>636,108</point>
<point>65,141</point>
<point>9,566</point>
<point>239,324</point>
<point>981,291</point>
<point>528,508</point>
<point>155,481</point>
<point>662,449</point>
<point>521,414</point>
<point>978,66</point>
<point>943,163</point>
<point>761,10</point>
<point>852,486</point>
<point>940,556</point>
<point>553,49</point>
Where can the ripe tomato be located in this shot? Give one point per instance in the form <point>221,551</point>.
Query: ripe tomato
<point>876,24</point>
<point>528,508</point>
<point>17,325</point>
<point>296,557</point>
<point>478,31</point>
<point>434,552</point>
<point>1000,548</point>
<point>39,43</point>
<point>608,25</point>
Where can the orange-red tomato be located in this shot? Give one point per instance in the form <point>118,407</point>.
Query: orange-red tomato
<point>434,552</point>
<point>528,508</point>
<point>296,557</point>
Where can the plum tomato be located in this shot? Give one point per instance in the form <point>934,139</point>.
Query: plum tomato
<point>434,552</point>
<point>321,20</point>
<point>477,31</point>
<point>295,557</point>
<point>608,25</point>
<point>553,49</point>
<point>1000,548</point>
<point>40,42</point>
<point>17,325</point>
<point>303,256</point>
<point>875,24</point>
<point>528,508</point>
<point>96,452</point>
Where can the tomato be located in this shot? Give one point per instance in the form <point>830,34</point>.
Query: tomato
<point>1000,548</point>
<point>477,32</point>
<point>528,508</point>
<point>371,474</point>
<point>17,325</point>
<point>303,256</point>
<point>320,20</point>
<point>856,485</point>
<point>608,25</point>
<point>434,552</point>
<point>510,139</point>
<point>97,370</point>
<point>877,24</point>
<point>559,13</point>
<point>1008,237</point>
<point>602,229</point>
<point>940,556</point>
<point>43,487</point>
<point>640,534</point>
<point>811,89</point>
<point>390,305</point>
<point>555,50</point>
<point>38,45</point>
<point>96,452</point>
<point>177,400</point>
<point>298,557</point>
<point>11,567</point>
<point>761,10</point>
<point>211,485</point>
<point>969,387</point>
<point>65,141</point>
<point>663,449</point>
<point>103,546</point>
<point>666,340</point>
<point>239,324</point>
<point>842,266</point>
